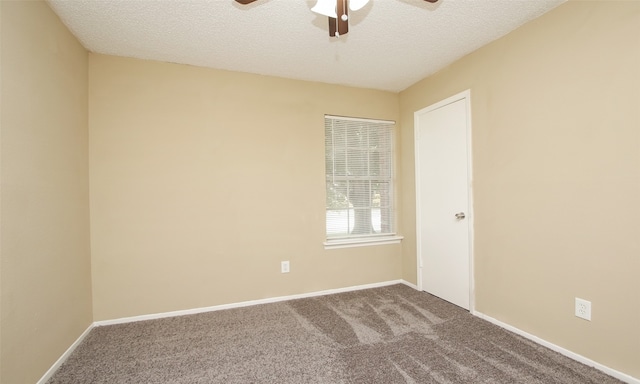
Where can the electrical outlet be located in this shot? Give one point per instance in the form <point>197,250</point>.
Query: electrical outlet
<point>284,267</point>
<point>583,309</point>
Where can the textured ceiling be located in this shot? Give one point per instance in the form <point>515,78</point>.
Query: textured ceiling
<point>391,44</point>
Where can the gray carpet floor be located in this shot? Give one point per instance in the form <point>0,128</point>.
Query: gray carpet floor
<point>392,334</point>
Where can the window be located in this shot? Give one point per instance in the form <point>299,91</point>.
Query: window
<point>359,179</point>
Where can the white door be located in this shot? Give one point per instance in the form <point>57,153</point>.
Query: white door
<point>443,186</point>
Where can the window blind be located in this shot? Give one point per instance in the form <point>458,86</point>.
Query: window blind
<point>359,177</point>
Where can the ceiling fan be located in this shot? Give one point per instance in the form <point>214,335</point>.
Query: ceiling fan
<point>332,8</point>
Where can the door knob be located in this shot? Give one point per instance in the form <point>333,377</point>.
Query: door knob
<point>460,216</point>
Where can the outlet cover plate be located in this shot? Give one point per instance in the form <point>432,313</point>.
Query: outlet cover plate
<point>583,309</point>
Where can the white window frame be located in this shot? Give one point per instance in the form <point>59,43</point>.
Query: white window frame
<point>347,241</point>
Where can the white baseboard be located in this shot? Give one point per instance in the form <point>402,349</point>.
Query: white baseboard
<point>410,285</point>
<point>609,371</point>
<point>64,356</point>
<point>245,303</point>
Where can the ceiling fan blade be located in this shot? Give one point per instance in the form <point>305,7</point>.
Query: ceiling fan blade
<point>343,10</point>
<point>245,2</point>
<point>337,26</point>
<point>432,1</point>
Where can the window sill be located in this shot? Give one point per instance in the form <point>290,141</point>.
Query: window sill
<point>361,242</point>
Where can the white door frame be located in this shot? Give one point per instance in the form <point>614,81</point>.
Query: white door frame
<point>465,95</point>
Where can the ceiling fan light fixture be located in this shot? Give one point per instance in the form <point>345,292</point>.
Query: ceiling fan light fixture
<point>330,8</point>
<point>355,5</point>
<point>326,8</point>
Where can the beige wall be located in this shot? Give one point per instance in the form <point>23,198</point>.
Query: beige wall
<point>1,316</point>
<point>45,264</point>
<point>556,154</point>
<point>202,181</point>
